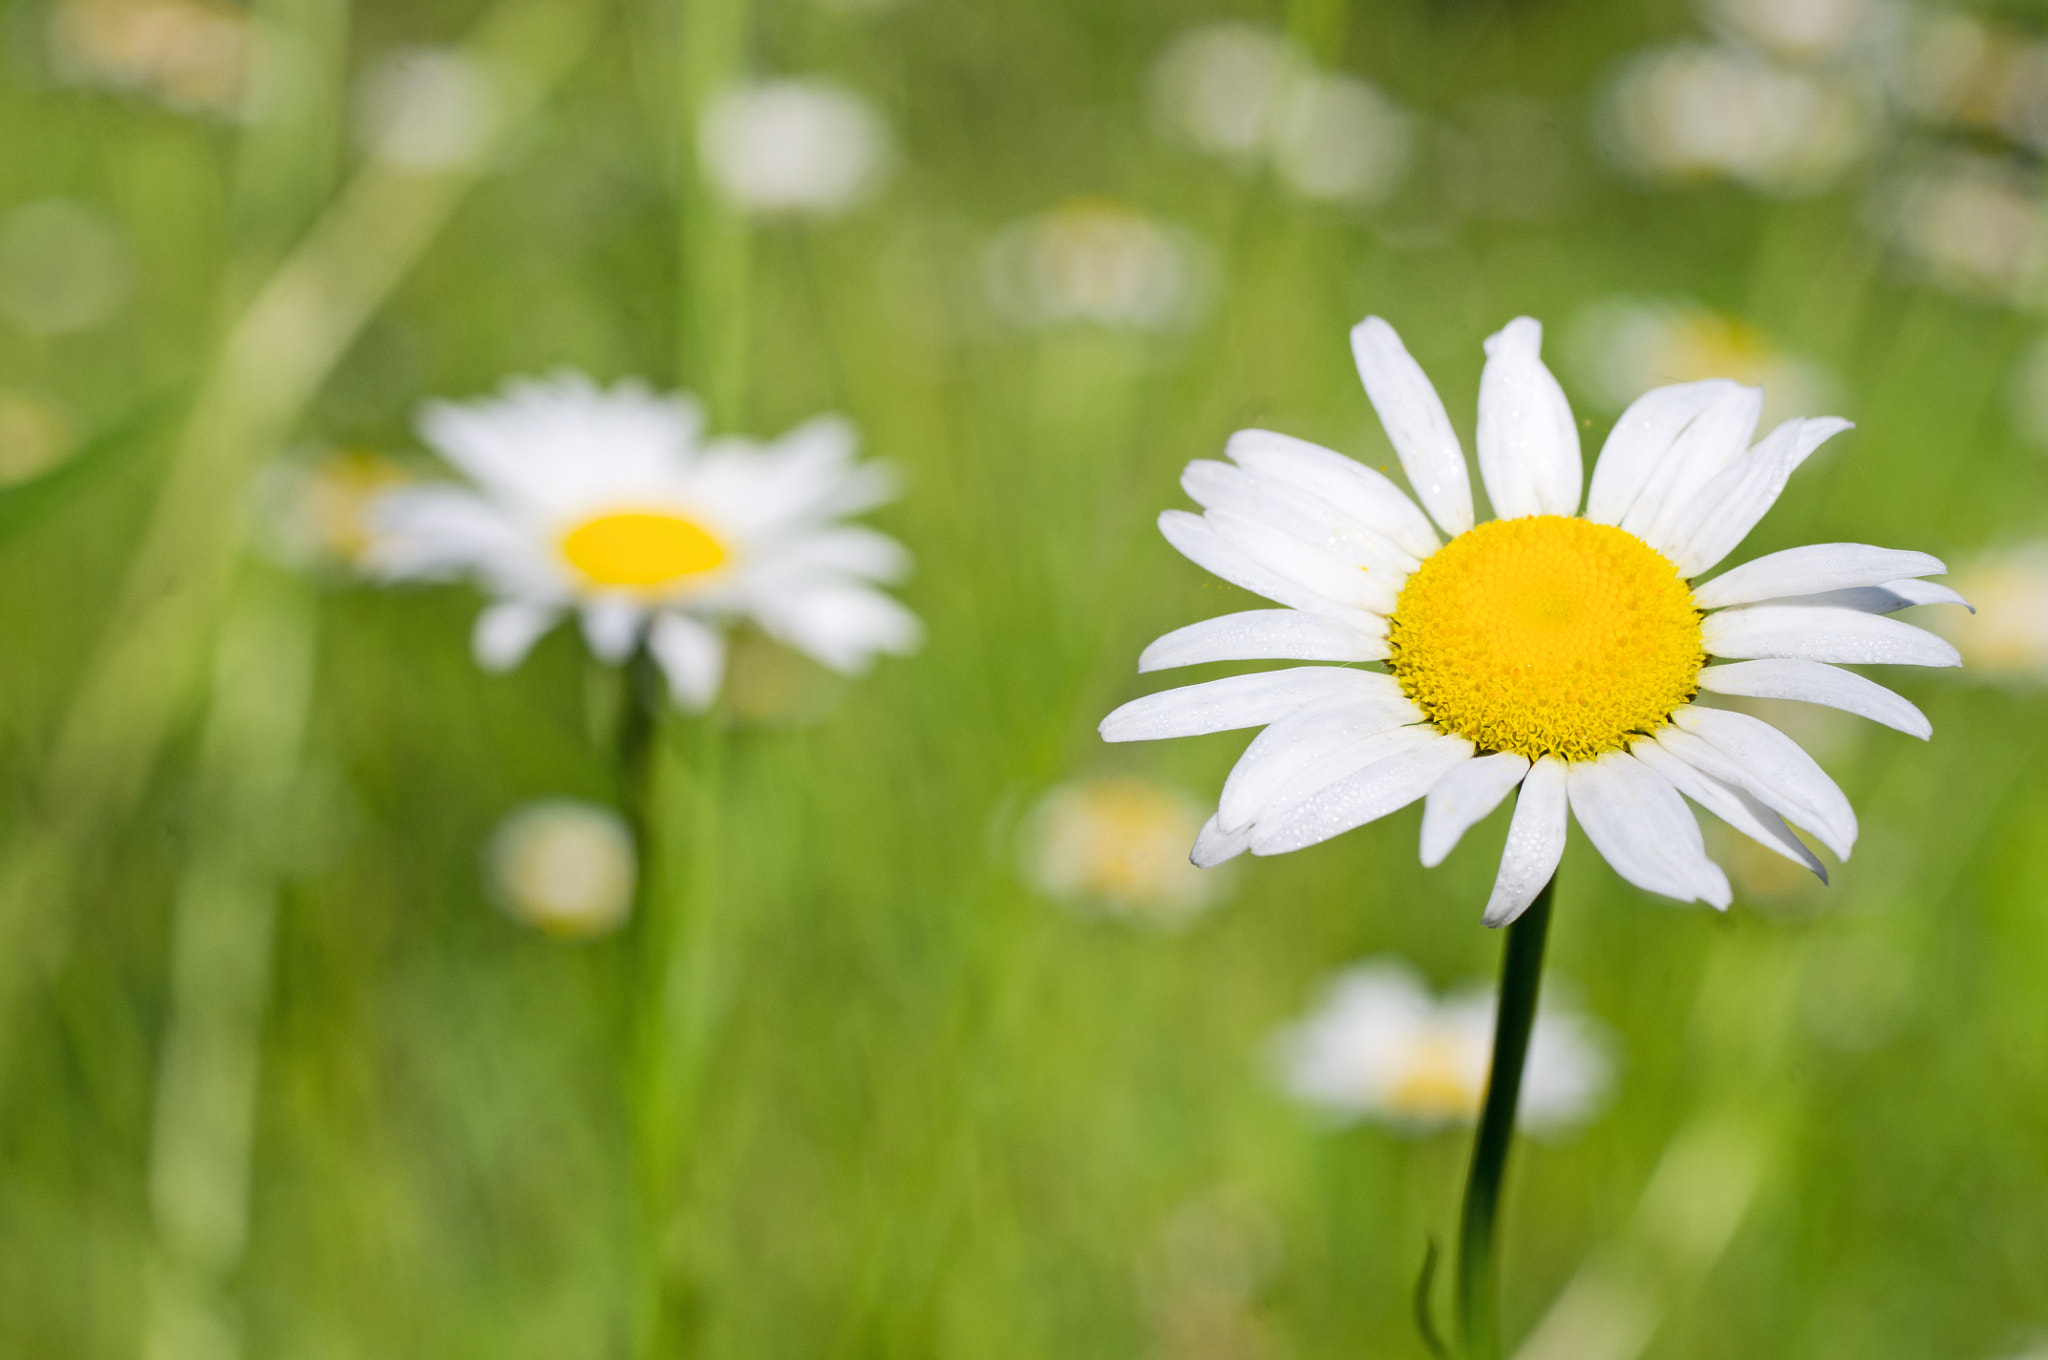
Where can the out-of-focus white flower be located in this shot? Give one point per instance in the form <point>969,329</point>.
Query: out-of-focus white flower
<point>1972,225</point>
<point>1796,30</point>
<point>1098,263</point>
<point>2007,638</point>
<point>1969,72</point>
<point>1222,88</point>
<point>1382,1047</point>
<point>1622,347</point>
<point>189,53</point>
<point>610,504</point>
<point>316,511</point>
<point>1199,1281</point>
<point>426,109</point>
<point>793,146</point>
<point>34,436</point>
<point>1249,94</point>
<point>1118,844</point>
<point>64,267</point>
<point>1699,112</point>
<point>564,867</point>
<point>1338,138</point>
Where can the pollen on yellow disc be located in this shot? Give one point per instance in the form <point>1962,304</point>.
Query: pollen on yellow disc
<point>1434,1085</point>
<point>640,548</point>
<point>1548,636</point>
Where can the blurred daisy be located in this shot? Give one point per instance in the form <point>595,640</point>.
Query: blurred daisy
<point>1098,263</point>
<point>1973,225</point>
<point>1339,139</point>
<point>2007,638</point>
<point>425,109</point>
<point>65,267</point>
<point>1968,72</point>
<point>34,437</point>
<point>563,867</point>
<point>1795,30</point>
<point>610,504</point>
<point>189,53</point>
<point>792,146</point>
<point>316,510</point>
<point>1382,1047</point>
<point>1221,88</point>
<point>1119,845</point>
<point>1699,112</point>
<point>1624,346</point>
<point>1540,650</point>
<point>1251,95</point>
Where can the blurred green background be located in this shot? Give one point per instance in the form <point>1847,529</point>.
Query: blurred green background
<point>937,1114</point>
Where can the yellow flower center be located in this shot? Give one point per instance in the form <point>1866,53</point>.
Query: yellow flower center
<point>640,548</point>
<point>1435,1085</point>
<point>1547,635</point>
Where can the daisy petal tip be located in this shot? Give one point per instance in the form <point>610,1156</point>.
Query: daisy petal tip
<point>1524,333</point>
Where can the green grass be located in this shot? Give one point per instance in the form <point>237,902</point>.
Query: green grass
<point>941,1117</point>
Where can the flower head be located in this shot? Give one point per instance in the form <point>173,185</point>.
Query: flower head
<point>191,54</point>
<point>564,867</point>
<point>610,503</point>
<point>1382,1047</point>
<point>1118,844</point>
<point>2006,639</point>
<point>1556,653</point>
<point>793,146</point>
<point>1096,263</point>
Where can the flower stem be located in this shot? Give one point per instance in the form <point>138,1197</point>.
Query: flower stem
<point>645,1056</point>
<point>1521,977</point>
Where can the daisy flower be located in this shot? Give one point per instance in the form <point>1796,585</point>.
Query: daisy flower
<point>1545,650</point>
<point>1382,1047</point>
<point>611,504</point>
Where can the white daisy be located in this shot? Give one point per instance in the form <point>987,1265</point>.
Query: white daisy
<point>564,867</point>
<point>1542,650</point>
<point>1381,1046</point>
<point>611,504</point>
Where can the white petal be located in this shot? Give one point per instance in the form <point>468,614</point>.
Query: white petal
<point>1640,825</point>
<point>506,632</point>
<point>1528,443</point>
<point>1462,797</point>
<point>436,532</point>
<point>1239,701</point>
<point>1812,569</point>
<point>1535,842</point>
<point>1720,515</point>
<point>850,550</point>
<point>1223,488</point>
<point>1331,578</point>
<point>1198,541</point>
<point>1416,424</point>
<point>843,626</point>
<point>1751,754</point>
<point>692,655</point>
<point>1642,439</point>
<point>1889,598</point>
<point>1817,633</point>
<point>1309,749</point>
<point>1811,682</point>
<point>1356,491</point>
<point>1262,635</point>
<point>611,626</point>
<point>1730,803</point>
<point>1214,845</point>
<point>1713,440</point>
<point>1380,788</point>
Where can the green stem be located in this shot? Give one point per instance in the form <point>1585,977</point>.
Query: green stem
<point>1521,977</point>
<point>646,1058</point>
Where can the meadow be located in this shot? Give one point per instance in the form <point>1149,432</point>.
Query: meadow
<point>279,1076</point>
